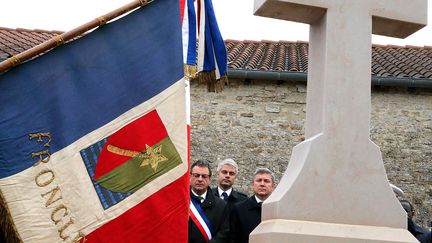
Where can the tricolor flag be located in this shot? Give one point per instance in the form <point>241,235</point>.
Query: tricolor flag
<point>212,55</point>
<point>93,141</point>
<point>189,39</point>
<point>189,31</point>
<point>204,50</point>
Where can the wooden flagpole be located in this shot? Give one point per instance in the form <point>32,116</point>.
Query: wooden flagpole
<point>65,37</point>
<point>6,223</point>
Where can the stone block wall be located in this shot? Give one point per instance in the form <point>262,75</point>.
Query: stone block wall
<point>257,123</point>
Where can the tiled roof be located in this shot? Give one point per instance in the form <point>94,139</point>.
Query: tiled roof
<point>400,62</point>
<point>15,41</point>
<point>387,61</point>
<point>268,56</point>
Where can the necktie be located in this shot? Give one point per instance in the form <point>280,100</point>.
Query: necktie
<point>202,199</point>
<point>225,196</point>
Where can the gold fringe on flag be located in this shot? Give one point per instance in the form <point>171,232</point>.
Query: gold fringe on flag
<point>213,84</point>
<point>190,71</point>
<point>6,225</point>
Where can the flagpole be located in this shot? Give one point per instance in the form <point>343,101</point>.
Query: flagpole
<point>69,35</point>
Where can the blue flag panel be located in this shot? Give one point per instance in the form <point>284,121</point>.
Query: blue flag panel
<point>82,85</point>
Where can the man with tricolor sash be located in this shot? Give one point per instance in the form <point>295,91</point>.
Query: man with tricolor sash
<point>208,214</point>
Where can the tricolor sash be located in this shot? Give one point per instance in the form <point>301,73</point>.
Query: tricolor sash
<point>189,33</point>
<point>211,47</point>
<point>200,219</point>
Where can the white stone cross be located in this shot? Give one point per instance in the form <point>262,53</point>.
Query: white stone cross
<point>336,176</point>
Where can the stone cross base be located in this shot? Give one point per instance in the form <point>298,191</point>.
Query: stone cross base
<point>281,230</point>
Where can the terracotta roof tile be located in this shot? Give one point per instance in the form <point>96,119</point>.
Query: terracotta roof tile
<point>15,41</point>
<point>280,58</point>
<point>266,55</point>
<point>267,60</point>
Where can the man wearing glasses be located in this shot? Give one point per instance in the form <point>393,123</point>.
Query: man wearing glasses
<point>208,214</point>
<point>227,171</point>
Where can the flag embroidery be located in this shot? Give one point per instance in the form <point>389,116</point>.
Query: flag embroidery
<point>90,157</point>
<point>75,120</point>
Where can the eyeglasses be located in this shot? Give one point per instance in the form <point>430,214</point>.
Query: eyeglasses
<point>196,175</point>
<point>224,172</point>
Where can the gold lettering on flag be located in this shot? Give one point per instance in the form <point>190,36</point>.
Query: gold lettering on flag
<point>41,136</point>
<point>58,208</point>
<point>52,193</point>
<point>47,180</point>
<point>60,214</point>
<point>41,158</point>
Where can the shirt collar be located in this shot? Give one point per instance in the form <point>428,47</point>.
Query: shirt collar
<point>228,192</point>
<point>257,199</point>
<point>200,196</point>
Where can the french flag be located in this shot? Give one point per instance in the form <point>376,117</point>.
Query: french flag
<point>212,54</point>
<point>93,136</point>
<point>189,31</point>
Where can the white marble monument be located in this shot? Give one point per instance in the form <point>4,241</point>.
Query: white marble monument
<point>335,188</point>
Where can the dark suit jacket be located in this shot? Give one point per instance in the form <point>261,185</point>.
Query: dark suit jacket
<point>233,198</point>
<point>425,238</point>
<point>216,211</point>
<point>244,217</point>
<point>422,235</point>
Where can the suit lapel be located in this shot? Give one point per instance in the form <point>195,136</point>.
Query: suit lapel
<point>252,203</point>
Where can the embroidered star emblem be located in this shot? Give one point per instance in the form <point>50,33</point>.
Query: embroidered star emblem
<point>151,156</point>
<point>154,156</point>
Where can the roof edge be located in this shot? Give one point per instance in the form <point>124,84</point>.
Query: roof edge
<point>302,77</point>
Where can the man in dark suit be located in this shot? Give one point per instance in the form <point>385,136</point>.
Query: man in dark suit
<point>421,234</point>
<point>208,214</point>
<point>246,215</point>
<point>227,171</point>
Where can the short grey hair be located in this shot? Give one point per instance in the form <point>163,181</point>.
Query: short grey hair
<point>227,162</point>
<point>261,170</point>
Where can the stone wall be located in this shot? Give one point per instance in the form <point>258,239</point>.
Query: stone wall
<point>257,123</point>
